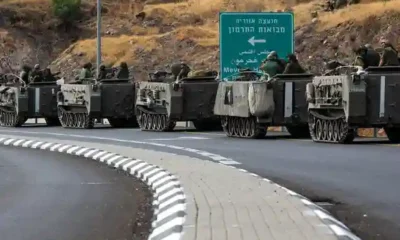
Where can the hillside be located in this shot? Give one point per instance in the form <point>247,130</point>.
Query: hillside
<point>185,30</point>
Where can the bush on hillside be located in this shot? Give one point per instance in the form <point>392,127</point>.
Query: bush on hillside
<point>66,10</point>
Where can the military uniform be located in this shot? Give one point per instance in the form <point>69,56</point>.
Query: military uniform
<point>292,68</point>
<point>123,73</point>
<point>389,57</point>
<point>102,73</point>
<point>180,70</point>
<point>85,74</point>
<point>271,67</point>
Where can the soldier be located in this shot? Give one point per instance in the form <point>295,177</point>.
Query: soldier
<point>373,55</point>
<point>272,65</point>
<point>180,70</point>
<point>366,57</point>
<point>24,75</point>
<point>48,76</point>
<point>123,71</point>
<point>36,75</point>
<point>102,73</point>
<point>293,66</point>
<point>389,54</point>
<point>86,72</point>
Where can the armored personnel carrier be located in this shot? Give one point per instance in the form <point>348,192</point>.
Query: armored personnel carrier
<point>341,102</point>
<point>79,104</point>
<point>19,102</point>
<point>162,101</point>
<point>250,104</point>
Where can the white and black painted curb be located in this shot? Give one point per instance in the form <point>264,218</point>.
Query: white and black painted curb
<point>169,200</point>
<point>341,231</point>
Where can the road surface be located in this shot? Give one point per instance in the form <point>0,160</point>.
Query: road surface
<point>45,195</point>
<point>362,177</point>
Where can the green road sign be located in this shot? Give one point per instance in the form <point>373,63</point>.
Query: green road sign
<point>246,39</point>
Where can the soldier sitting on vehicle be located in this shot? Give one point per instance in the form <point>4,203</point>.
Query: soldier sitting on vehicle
<point>25,72</point>
<point>293,65</point>
<point>180,70</point>
<point>366,57</point>
<point>86,73</point>
<point>48,76</point>
<point>102,73</point>
<point>272,65</point>
<point>36,75</point>
<point>123,71</point>
<point>388,55</point>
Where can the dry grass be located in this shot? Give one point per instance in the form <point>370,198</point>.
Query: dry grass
<point>358,13</point>
<point>114,49</point>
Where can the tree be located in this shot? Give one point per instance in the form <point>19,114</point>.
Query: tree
<point>67,10</point>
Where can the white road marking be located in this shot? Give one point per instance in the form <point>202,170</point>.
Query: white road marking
<point>214,157</point>
<point>178,138</point>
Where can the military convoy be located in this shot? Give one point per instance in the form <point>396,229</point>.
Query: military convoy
<point>250,104</point>
<point>327,108</point>
<point>162,101</point>
<point>19,102</point>
<point>338,104</point>
<point>79,105</point>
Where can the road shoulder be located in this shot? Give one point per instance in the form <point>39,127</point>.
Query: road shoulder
<point>220,201</point>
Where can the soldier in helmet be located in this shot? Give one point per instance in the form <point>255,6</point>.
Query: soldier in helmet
<point>36,75</point>
<point>25,72</point>
<point>123,71</point>
<point>102,72</point>
<point>389,54</point>
<point>86,72</point>
<point>366,57</point>
<point>293,66</point>
<point>180,70</point>
<point>48,76</point>
<point>272,65</point>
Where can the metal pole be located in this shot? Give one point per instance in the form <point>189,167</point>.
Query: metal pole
<point>98,37</point>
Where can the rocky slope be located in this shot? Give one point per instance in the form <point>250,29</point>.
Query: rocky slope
<point>182,30</point>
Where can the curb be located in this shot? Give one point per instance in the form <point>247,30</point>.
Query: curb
<point>341,231</point>
<point>169,200</point>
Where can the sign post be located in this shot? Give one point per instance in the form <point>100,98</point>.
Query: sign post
<point>245,39</point>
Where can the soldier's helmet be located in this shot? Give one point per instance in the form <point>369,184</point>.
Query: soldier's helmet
<point>36,67</point>
<point>272,55</point>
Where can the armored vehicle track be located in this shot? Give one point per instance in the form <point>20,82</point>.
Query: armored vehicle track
<point>243,127</point>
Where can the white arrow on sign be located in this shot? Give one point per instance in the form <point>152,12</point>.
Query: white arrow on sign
<point>253,41</point>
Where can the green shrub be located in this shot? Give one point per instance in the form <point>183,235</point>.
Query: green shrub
<point>67,10</point>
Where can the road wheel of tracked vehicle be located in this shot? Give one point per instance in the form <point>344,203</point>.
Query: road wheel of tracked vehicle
<point>230,127</point>
<point>151,121</point>
<point>393,134</point>
<point>330,130</point>
<point>318,129</point>
<point>224,124</point>
<point>249,130</point>
<point>89,121</point>
<point>325,130</point>
<point>158,124</point>
<point>336,130</point>
<point>347,134</point>
<point>242,130</point>
<point>145,121</point>
<point>61,116</point>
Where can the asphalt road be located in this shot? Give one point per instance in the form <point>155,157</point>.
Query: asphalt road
<point>362,176</point>
<point>46,195</point>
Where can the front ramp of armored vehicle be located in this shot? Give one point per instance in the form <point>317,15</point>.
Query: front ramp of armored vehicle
<point>198,101</point>
<point>245,108</point>
<point>118,102</point>
<point>42,102</point>
<point>383,104</point>
<point>291,107</point>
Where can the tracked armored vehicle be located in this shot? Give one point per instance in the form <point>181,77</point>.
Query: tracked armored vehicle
<point>250,104</point>
<point>162,101</point>
<point>79,104</point>
<point>341,103</point>
<point>19,102</point>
